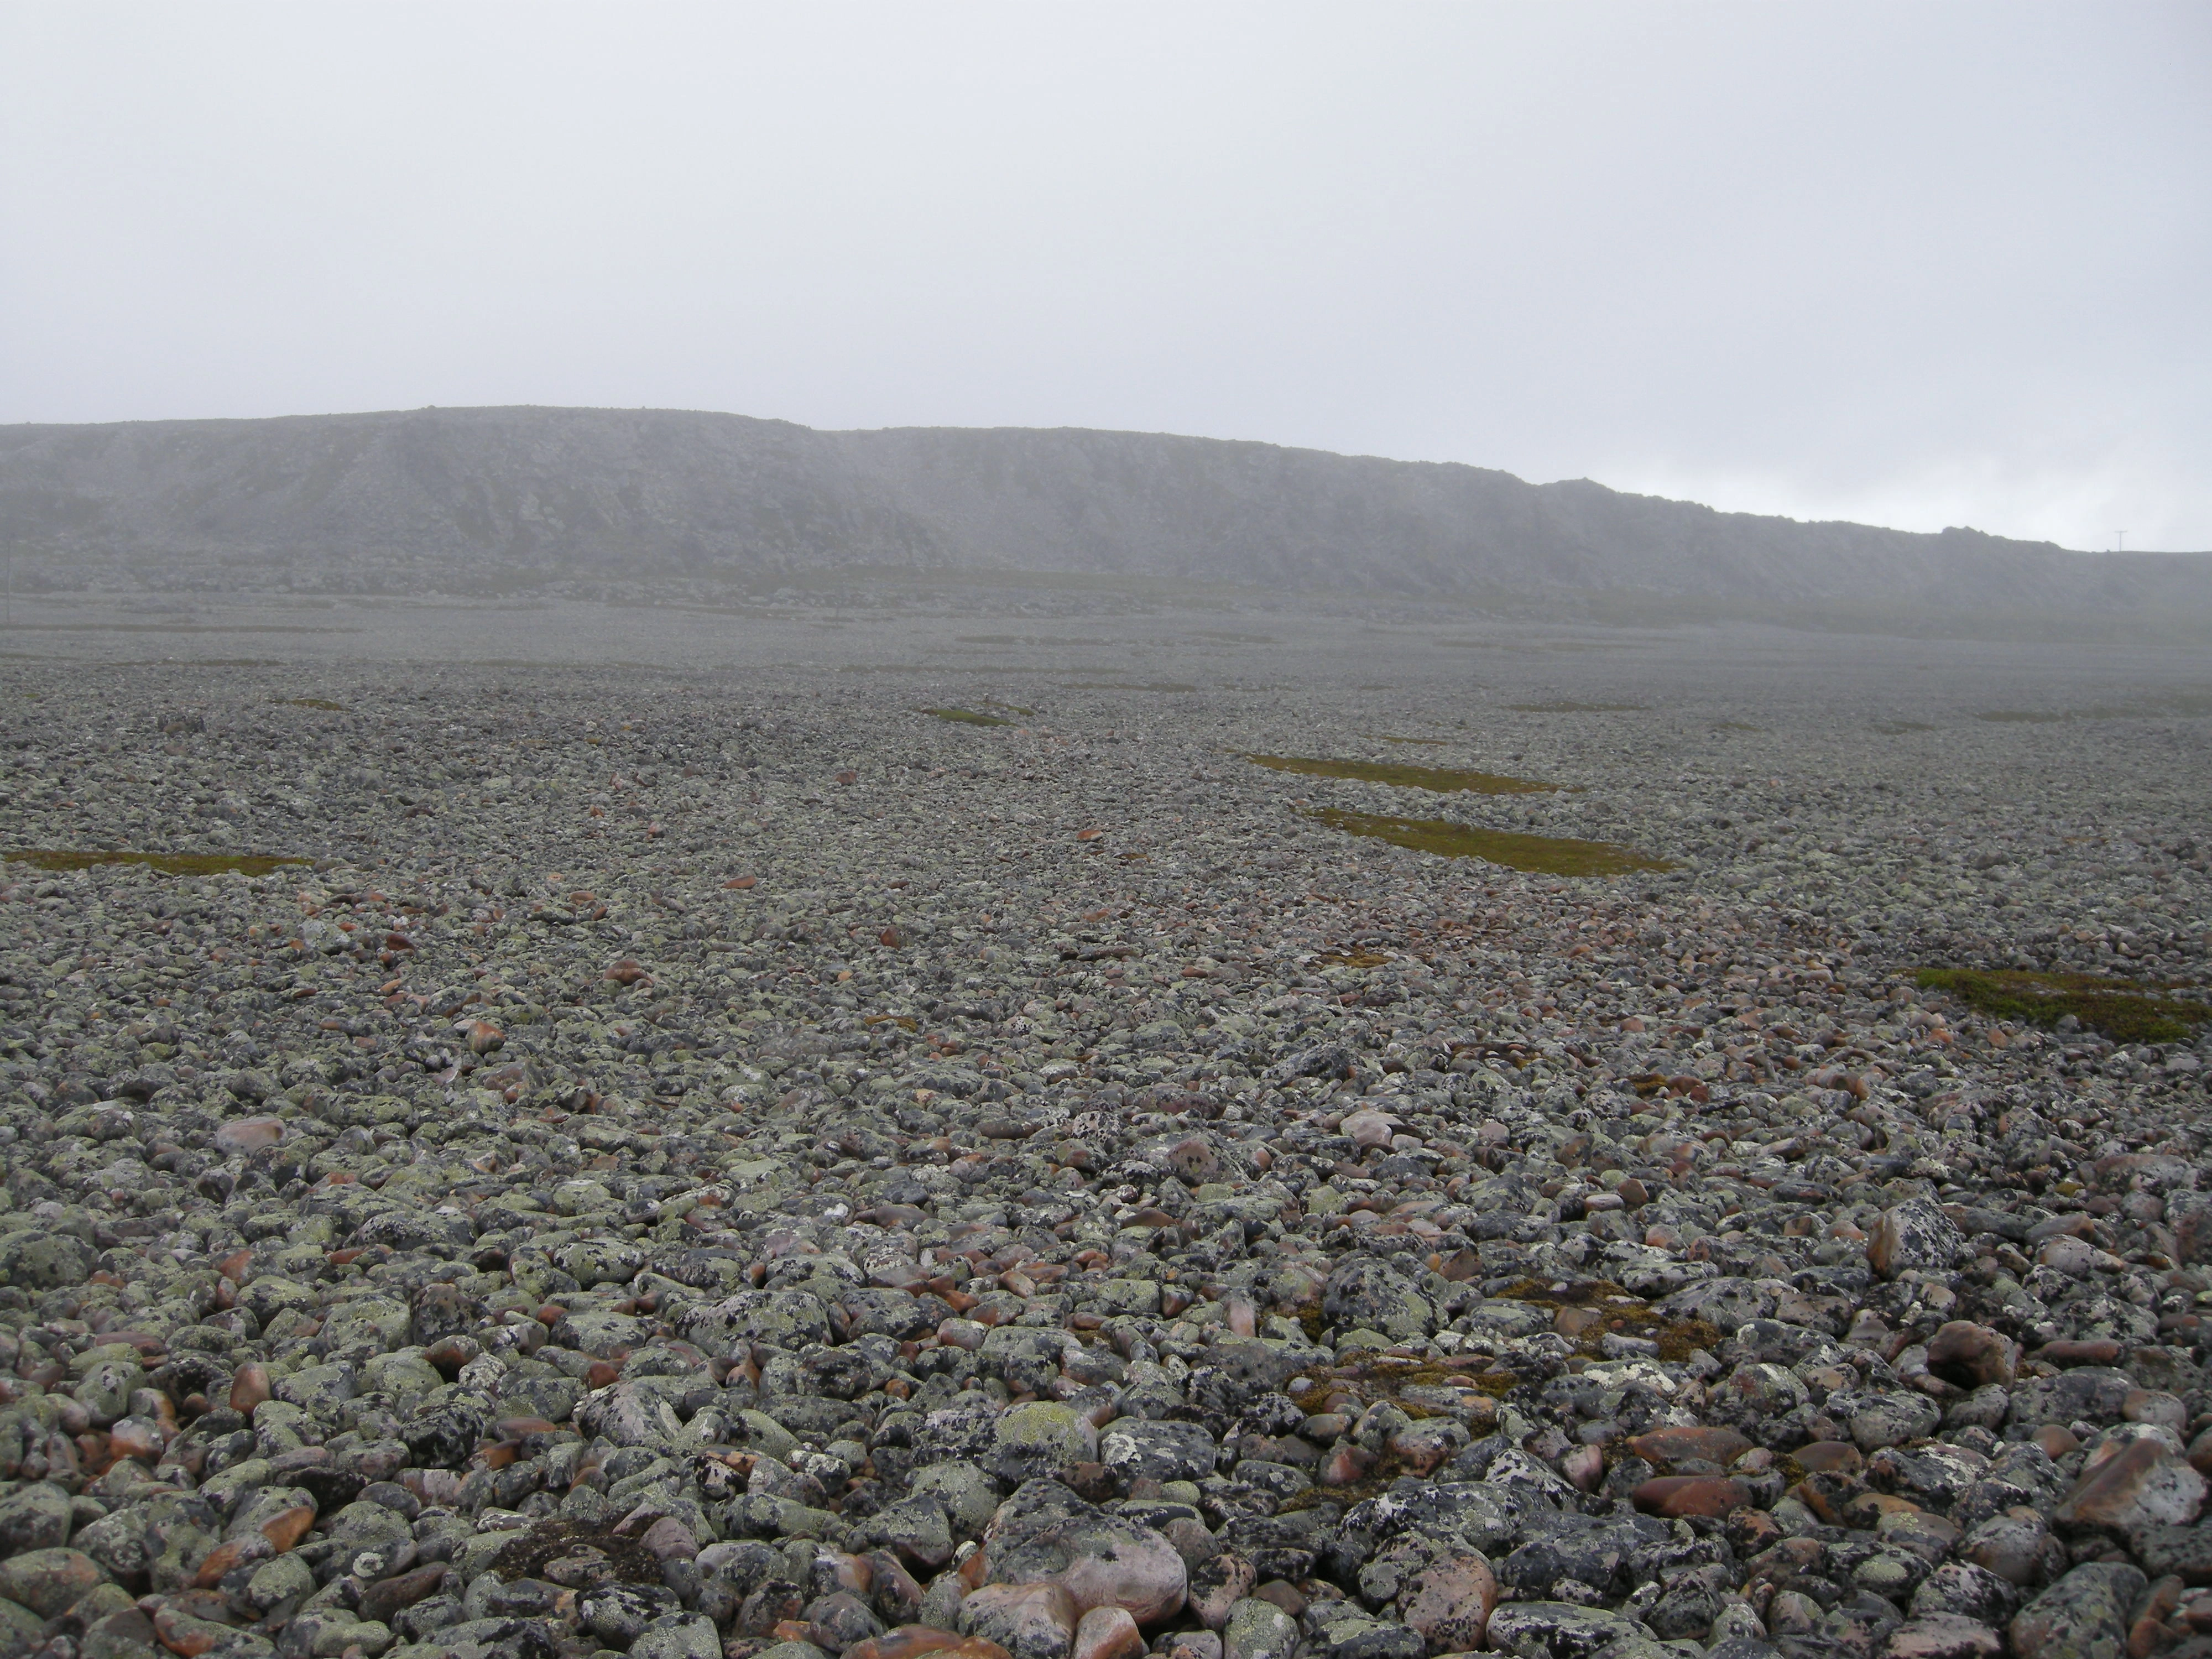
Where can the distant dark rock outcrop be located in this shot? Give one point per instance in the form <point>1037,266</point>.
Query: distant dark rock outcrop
<point>503,498</point>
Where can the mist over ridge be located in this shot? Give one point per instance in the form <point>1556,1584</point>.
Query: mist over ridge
<point>508,500</point>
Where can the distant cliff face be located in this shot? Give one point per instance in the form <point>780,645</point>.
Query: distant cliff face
<point>513,497</point>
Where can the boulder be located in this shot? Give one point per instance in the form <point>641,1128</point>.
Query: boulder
<point>1914,1236</point>
<point>2083,1616</point>
<point>2142,1485</point>
<point>1033,1621</point>
<point>1259,1630</point>
<point>1365,1292</point>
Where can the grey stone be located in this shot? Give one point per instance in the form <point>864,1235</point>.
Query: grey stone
<point>1134,1449</point>
<point>1259,1630</point>
<point>1364,1291</point>
<point>1557,1629</point>
<point>2083,1616</point>
<point>677,1636</point>
<point>34,1516</point>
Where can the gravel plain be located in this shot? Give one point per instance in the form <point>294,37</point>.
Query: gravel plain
<point>702,1155</point>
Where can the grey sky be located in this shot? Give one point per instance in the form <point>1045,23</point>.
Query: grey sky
<point>1920,264</point>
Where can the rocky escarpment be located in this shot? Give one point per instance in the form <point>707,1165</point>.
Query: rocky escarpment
<point>509,499</point>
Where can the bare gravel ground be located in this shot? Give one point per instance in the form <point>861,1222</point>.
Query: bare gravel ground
<point>704,1156</point>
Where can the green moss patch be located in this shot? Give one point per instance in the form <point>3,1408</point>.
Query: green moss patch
<point>967,717</point>
<point>1438,779</point>
<point>169,864</point>
<point>1376,1481</point>
<point>1551,855</point>
<point>1620,1314</point>
<point>2124,1010</point>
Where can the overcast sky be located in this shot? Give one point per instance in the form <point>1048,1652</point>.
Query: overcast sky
<point>1921,263</point>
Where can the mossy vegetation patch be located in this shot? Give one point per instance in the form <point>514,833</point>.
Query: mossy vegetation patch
<point>1550,855</point>
<point>1386,1473</point>
<point>1440,780</point>
<point>2124,1010</point>
<point>168,864</point>
<point>1619,1314</point>
<point>967,717</point>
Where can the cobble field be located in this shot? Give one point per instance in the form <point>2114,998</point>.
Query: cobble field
<point>940,1149</point>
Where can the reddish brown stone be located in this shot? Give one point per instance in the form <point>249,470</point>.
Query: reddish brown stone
<point>2096,1351</point>
<point>1450,1603</point>
<point>183,1634</point>
<point>1866,1509</point>
<point>1089,1481</point>
<point>2057,1441</point>
<point>1037,1617</point>
<point>223,1557</point>
<point>285,1530</point>
<point>381,1601</point>
<point>1664,1446</point>
<point>1822,1457</point>
<point>1574,1323</point>
<point>1973,1355</point>
<point>1677,1495</point>
<point>1752,1532</point>
<point>248,1134</point>
<point>135,1437</point>
<point>1345,1465</point>
<point>2141,1484</point>
<point>1829,1493</point>
<point>249,1389</point>
<point>1107,1633</point>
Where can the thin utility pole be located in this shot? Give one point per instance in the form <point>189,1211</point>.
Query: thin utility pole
<point>2119,541</point>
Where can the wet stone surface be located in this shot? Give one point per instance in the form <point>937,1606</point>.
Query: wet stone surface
<point>736,1165</point>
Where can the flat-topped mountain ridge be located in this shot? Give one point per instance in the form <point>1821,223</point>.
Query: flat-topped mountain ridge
<point>503,499</point>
